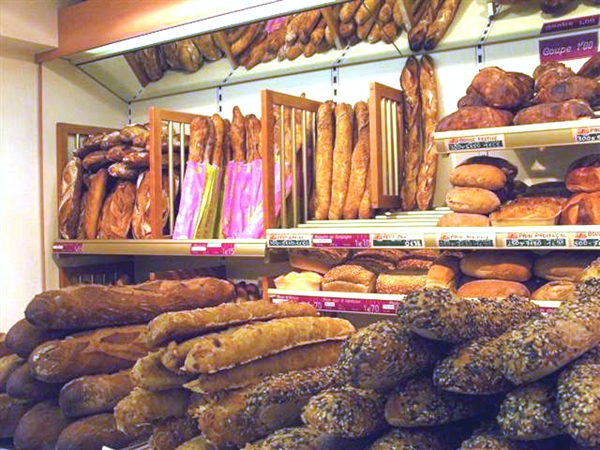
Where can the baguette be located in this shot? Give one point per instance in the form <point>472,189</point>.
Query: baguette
<point>359,171</point>
<point>40,427</point>
<point>211,140</point>
<point>238,136</point>
<point>208,47</point>
<point>168,434</point>
<point>441,315</point>
<point>173,356</point>
<point>383,354</point>
<point>71,190</point>
<point>429,104</point>
<point>250,342</point>
<point>140,408</point>
<point>185,324</point>
<point>409,80</point>
<point>4,350</point>
<point>219,125</point>
<point>117,210</point>
<point>299,358</point>
<point>105,350</point>
<point>245,415</point>
<point>342,159</point>
<point>93,205</point>
<point>8,365</point>
<point>324,159</point>
<point>11,411</point>
<point>365,210</point>
<point>417,34</point>
<point>94,394</point>
<point>149,373</point>
<point>87,306</point>
<point>22,385</point>
<point>348,10</point>
<point>443,20</point>
<point>346,412</point>
<point>94,433</point>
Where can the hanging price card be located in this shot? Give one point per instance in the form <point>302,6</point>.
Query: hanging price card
<point>474,143</point>
<point>398,240</point>
<point>68,247</point>
<point>208,248</point>
<point>341,240</point>
<point>535,240</point>
<point>588,239</point>
<point>289,241</point>
<point>586,134</point>
<point>466,240</point>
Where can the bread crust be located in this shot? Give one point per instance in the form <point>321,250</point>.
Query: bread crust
<point>472,200</point>
<point>342,159</point>
<point>478,175</point>
<point>11,411</point>
<point>349,276</point>
<point>409,80</point>
<point>71,189</point>
<point>92,433</point>
<point>504,265</point>
<point>493,289</point>
<point>40,427</point>
<point>463,220</point>
<point>359,171</point>
<point>23,337</point>
<point>21,384</point>
<point>562,265</point>
<point>149,373</point>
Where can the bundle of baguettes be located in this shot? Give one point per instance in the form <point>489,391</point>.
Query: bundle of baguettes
<point>435,19</point>
<point>371,21</point>
<point>61,384</point>
<point>228,365</point>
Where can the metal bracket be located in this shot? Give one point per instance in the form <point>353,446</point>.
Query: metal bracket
<point>129,113</point>
<point>480,47</point>
<point>220,99</point>
<point>335,83</point>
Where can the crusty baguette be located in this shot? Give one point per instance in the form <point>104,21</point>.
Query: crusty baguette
<point>348,10</point>
<point>342,159</point>
<point>11,411</point>
<point>93,204</point>
<point>94,394</point>
<point>70,198</point>
<point>409,80</point>
<point>416,35</point>
<point>245,415</point>
<point>88,306</point>
<point>8,365</point>
<point>347,412</point>
<point>176,326</point>
<point>40,427</point>
<point>173,355</point>
<point>105,350</point>
<point>429,104</point>
<point>4,350</point>
<point>359,171</point>
<point>324,159</point>
<point>149,373</point>
<point>250,342</point>
<point>22,385</point>
<point>219,125</point>
<point>238,136</point>
<point>443,20</point>
<point>310,356</point>
<point>365,210</point>
<point>141,408</point>
<point>168,434</point>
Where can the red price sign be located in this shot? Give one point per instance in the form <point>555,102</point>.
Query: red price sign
<point>342,240</point>
<point>212,248</point>
<point>68,247</point>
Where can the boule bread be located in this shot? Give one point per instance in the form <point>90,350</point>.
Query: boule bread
<point>501,265</point>
<point>472,200</point>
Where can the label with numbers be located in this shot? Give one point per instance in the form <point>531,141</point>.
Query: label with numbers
<point>212,248</point>
<point>589,239</point>
<point>398,240</point>
<point>586,134</point>
<point>466,240</point>
<point>536,240</point>
<point>284,241</point>
<point>343,304</point>
<point>583,45</point>
<point>68,247</point>
<point>575,23</point>
<point>489,142</point>
<point>341,240</point>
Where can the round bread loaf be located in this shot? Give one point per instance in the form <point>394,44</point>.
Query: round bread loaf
<point>582,209</point>
<point>501,265</point>
<point>508,168</point>
<point>493,289</point>
<point>583,174</point>
<point>483,176</point>
<point>463,220</point>
<point>563,265</point>
<point>472,200</point>
<point>555,290</point>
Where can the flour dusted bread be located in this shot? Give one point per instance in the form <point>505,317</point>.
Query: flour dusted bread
<point>349,278</point>
<point>324,159</point>
<point>71,190</point>
<point>501,265</point>
<point>149,373</point>
<point>342,159</point>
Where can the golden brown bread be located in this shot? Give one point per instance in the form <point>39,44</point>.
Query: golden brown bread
<point>554,112</point>
<point>23,337</point>
<point>493,289</point>
<point>409,80</point>
<point>563,291</point>
<point>399,283</point>
<point>93,205</point>
<point>310,356</point>
<point>359,171</point>
<point>11,411</point>
<point>507,167</point>
<point>500,89</point>
<point>349,278</point>
<point>324,159</point>
<point>463,220</point>
<point>71,189</point>
<point>591,68</point>
<point>94,394</point>
<point>342,159</point>
<point>472,200</point>
<point>582,209</point>
<point>140,219</point>
<point>88,306</point>
<point>22,385</point>
<point>185,324</point>
<point>207,47</point>
<point>549,73</point>
<point>563,265</point>
<point>168,434</point>
<point>96,160</point>
<point>443,273</point>
<point>483,176</point>
<point>583,174</point>
<point>123,170</point>
<point>501,265</point>
<point>197,443</point>
<point>417,33</point>
<point>8,365</point>
<point>149,373</point>
<point>94,433</point>
<point>530,208</point>
<point>238,135</point>
<point>40,427</point>
<point>250,342</point>
<point>365,210</point>
<point>574,87</point>
<point>471,117</point>
<point>115,220</point>
<point>104,350</point>
<point>441,23</point>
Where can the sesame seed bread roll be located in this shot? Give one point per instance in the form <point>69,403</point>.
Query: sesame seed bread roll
<point>383,354</point>
<point>347,412</point>
<point>530,412</point>
<point>299,438</point>
<point>409,439</point>
<point>441,315</point>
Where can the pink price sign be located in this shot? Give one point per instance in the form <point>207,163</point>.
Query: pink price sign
<point>334,304</point>
<point>342,240</point>
<point>212,248</point>
<point>68,247</point>
<point>576,46</point>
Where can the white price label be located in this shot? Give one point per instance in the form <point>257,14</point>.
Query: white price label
<point>466,240</point>
<point>536,240</point>
<point>398,240</point>
<point>475,143</point>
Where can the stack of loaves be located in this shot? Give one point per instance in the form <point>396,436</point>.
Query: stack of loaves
<point>583,180</point>
<point>71,359</point>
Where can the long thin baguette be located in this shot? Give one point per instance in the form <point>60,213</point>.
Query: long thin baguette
<point>249,342</point>
<point>8,365</point>
<point>176,326</point>
<point>149,373</point>
<point>440,25</point>
<point>365,210</point>
<point>309,356</point>
<point>409,80</point>
<point>11,411</point>
<point>342,159</point>
<point>324,159</point>
<point>429,102</point>
<point>238,135</point>
<point>219,125</point>
<point>359,171</point>
<point>416,35</point>
<point>173,356</point>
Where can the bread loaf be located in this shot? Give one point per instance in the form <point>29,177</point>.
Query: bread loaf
<point>463,220</point>
<point>324,159</point>
<point>22,385</point>
<point>8,365</point>
<point>349,278</point>
<point>93,205</point>
<point>359,169</point>
<point>87,306</point>
<point>409,80</point>
<point>94,433</point>
<point>501,265</point>
<point>478,175</point>
<point>472,200</point>
<point>342,159</point>
<point>563,265</point>
<point>471,117</point>
<point>493,289</point>
<point>583,175</point>
<point>117,211</point>
<point>530,208</point>
<point>4,350</point>
<point>105,350</point>
<point>563,291</point>
<point>71,189</point>
<point>168,434</point>
<point>554,112</point>
<point>582,209</point>
<point>11,411</point>
<point>23,337</point>
<point>443,273</point>
<point>297,438</point>
<point>40,427</point>
<point>399,283</point>
<point>409,438</point>
<point>500,89</point>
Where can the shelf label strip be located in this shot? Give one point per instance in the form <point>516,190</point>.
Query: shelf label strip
<point>68,247</point>
<point>465,240</point>
<point>586,134</point>
<point>285,241</point>
<point>536,240</point>
<point>206,248</point>
<point>475,143</point>
<point>342,304</point>
<point>590,239</point>
<point>398,240</point>
<point>341,240</point>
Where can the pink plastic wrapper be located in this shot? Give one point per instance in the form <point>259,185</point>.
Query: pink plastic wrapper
<point>228,196</point>
<point>191,196</point>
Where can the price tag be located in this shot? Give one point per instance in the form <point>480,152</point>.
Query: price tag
<point>286,241</point>
<point>583,45</point>
<point>535,240</point>
<point>589,239</point>
<point>586,134</point>
<point>488,142</point>
<point>398,240</point>
<point>68,247</point>
<point>466,240</point>
<point>342,304</point>
<point>575,23</point>
<point>341,240</point>
<point>207,248</point>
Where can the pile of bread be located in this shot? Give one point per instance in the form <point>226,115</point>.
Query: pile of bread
<point>68,363</point>
<point>483,184</point>
<point>498,98</point>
